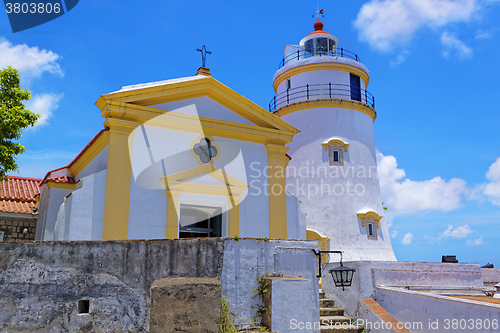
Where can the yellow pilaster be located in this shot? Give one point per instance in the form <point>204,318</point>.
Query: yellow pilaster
<point>234,216</point>
<point>172,216</point>
<point>117,180</point>
<point>277,190</point>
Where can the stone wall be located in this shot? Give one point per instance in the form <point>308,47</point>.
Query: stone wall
<point>41,283</point>
<point>14,227</point>
<point>109,286</point>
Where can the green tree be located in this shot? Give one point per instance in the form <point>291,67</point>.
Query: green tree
<point>14,118</point>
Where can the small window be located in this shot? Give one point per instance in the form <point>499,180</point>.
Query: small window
<point>83,306</point>
<point>335,156</point>
<point>288,84</point>
<point>370,229</point>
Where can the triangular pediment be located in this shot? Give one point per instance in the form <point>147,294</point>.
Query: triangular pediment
<point>147,100</point>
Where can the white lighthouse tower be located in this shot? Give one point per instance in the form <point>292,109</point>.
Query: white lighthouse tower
<point>321,90</point>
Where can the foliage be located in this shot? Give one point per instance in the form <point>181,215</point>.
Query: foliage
<point>237,238</point>
<point>226,324</point>
<point>14,117</point>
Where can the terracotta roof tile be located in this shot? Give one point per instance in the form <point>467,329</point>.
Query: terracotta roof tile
<point>17,194</point>
<point>62,179</point>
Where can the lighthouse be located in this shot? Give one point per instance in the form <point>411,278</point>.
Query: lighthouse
<point>321,89</point>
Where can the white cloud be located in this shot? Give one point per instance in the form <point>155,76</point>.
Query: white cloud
<point>475,242</point>
<point>399,59</point>
<point>458,232</point>
<point>408,237</point>
<point>30,61</point>
<point>384,23</point>
<point>481,34</point>
<point>492,188</point>
<point>44,105</point>
<point>453,45</point>
<point>403,196</point>
<point>394,233</point>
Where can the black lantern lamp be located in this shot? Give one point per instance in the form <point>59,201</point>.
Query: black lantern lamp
<point>342,275</point>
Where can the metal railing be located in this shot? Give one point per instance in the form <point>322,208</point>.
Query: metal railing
<point>321,91</point>
<point>303,54</point>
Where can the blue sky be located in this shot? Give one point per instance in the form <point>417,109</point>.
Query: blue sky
<point>434,74</point>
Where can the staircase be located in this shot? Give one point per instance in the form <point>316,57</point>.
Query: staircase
<point>332,319</point>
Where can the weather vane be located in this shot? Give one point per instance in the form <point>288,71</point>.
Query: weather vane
<point>318,13</point>
<point>204,53</point>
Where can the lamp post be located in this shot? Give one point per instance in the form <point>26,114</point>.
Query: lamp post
<point>342,275</point>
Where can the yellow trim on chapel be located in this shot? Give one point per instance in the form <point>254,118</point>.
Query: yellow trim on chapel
<point>126,110</point>
<point>64,186</point>
<point>322,244</point>
<point>327,103</point>
<point>90,153</point>
<point>322,66</point>
<point>277,162</point>
<point>369,215</point>
<point>176,184</point>
<point>206,86</point>
<point>190,123</point>
<point>116,207</point>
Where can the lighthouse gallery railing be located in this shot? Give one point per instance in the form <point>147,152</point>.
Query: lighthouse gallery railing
<point>303,54</point>
<point>321,91</point>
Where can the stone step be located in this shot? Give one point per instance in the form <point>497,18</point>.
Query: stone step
<point>326,303</point>
<point>333,320</point>
<point>331,311</point>
<point>341,329</point>
<point>321,294</point>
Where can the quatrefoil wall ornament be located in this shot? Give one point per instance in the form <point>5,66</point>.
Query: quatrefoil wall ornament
<point>205,150</point>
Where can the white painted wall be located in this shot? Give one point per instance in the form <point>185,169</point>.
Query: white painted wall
<point>206,107</point>
<point>353,188</point>
<point>245,259</point>
<point>293,308</point>
<point>439,313</point>
<point>55,198</point>
<point>370,275</point>
<point>85,208</point>
<point>340,87</point>
<point>314,60</point>
<point>99,163</point>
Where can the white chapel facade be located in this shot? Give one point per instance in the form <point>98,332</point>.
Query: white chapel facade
<point>177,159</point>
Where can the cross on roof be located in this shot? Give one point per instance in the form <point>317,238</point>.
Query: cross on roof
<point>204,53</point>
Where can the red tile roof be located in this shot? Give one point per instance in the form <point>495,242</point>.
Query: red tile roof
<point>61,179</point>
<point>17,194</point>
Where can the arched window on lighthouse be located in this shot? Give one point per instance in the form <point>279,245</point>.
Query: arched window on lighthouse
<point>370,222</point>
<point>336,150</point>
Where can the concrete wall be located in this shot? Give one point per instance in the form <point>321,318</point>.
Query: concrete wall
<point>244,260</point>
<point>286,301</point>
<point>422,312</point>
<point>41,283</point>
<point>371,275</point>
<point>491,276</point>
